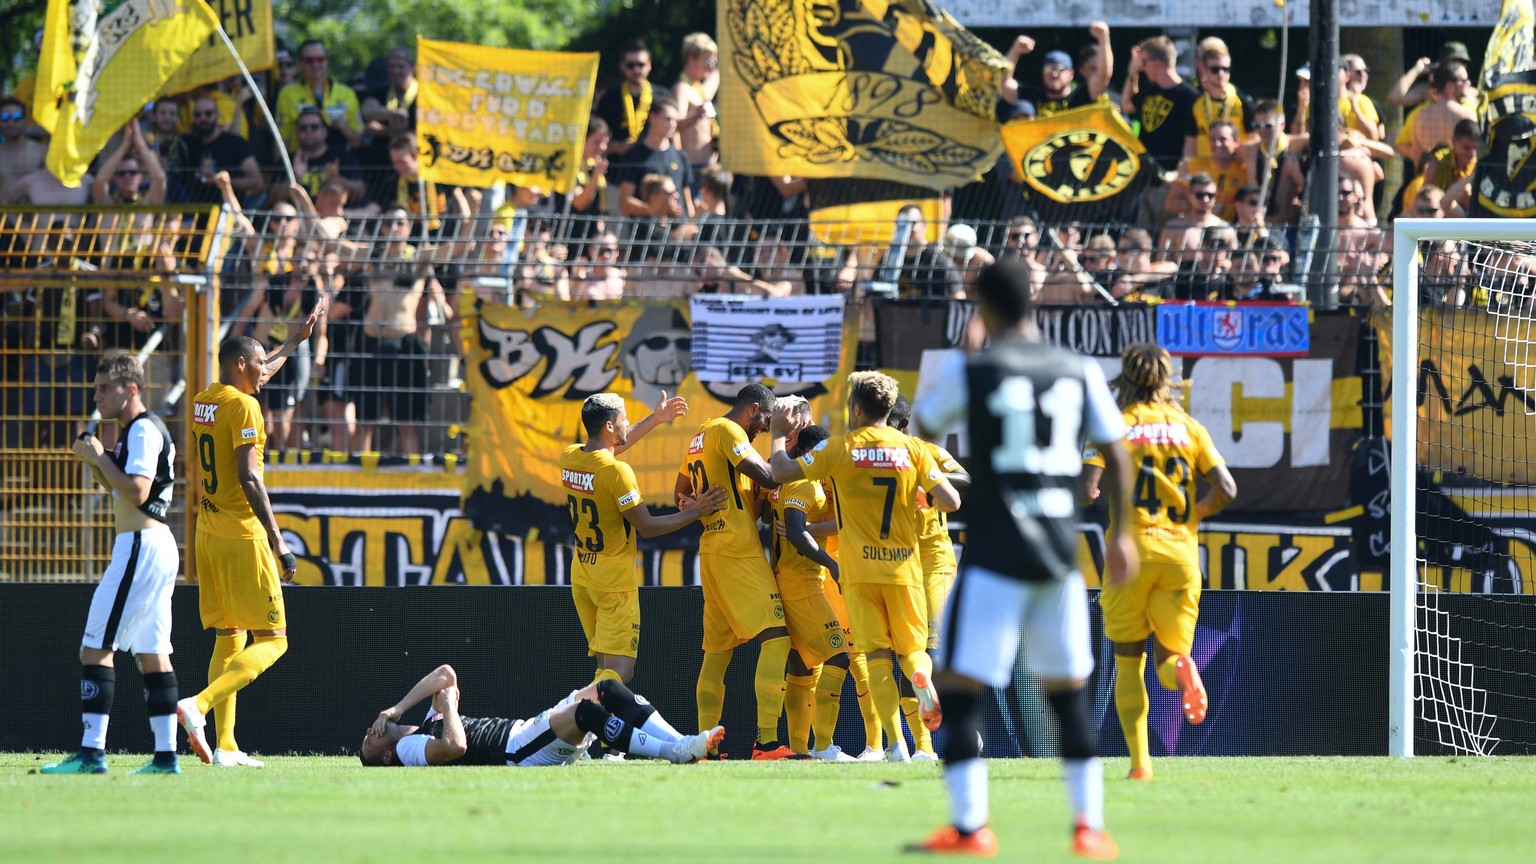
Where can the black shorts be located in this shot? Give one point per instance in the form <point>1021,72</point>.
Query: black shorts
<point>389,378</point>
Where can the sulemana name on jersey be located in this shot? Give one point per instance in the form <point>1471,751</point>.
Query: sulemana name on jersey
<point>886,553</point>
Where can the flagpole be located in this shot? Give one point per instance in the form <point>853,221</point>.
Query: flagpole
<point>282,146</point>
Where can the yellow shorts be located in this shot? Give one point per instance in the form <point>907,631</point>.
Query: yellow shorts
<point>239,587</point>
<point>741,600</point>
<point>834,596</point>
<point>1164,599</point>
<point>814,628</point>
<point>611,620</point>
<point>937,586</point>
<point>888,617</point>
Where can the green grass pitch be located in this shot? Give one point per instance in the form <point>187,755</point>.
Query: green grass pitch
<point>329,809</point>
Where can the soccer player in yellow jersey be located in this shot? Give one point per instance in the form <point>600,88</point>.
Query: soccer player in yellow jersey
<point>741,601</point>
<point>876,473</point>
<point>813,607</point>
<point>605,503</point>
<point>937,552</point>
<point>240,551</point>
<point>1169,449</point>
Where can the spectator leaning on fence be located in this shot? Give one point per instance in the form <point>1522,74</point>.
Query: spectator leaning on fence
<point>1185,231</point>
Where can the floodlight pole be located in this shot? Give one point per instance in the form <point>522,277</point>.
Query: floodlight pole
<point>1324,126</point>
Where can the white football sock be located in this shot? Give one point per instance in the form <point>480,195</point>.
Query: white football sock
<point>1085,791</point>
<point>94,734</point>
<point>967,782</point>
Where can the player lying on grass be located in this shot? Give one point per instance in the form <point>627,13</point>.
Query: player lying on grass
<point>558,735</point>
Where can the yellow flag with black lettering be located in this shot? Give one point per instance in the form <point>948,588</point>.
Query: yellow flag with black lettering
<point>882,89</point>
<point>1510,46</point>
<point>249,25</point>
<point>488,114</point>
<point>101,63</point>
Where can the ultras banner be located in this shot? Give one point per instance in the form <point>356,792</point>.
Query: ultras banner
<point>529,372</point>
<point>1284,424</point>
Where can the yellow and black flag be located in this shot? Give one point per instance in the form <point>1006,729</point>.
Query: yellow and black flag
<point>101,63</point>
<point>1506,176</point>
<point>1084,164</point>
<point>891,90</point>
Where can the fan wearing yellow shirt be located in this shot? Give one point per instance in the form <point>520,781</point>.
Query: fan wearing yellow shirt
<point>1168,449</point>
<point>605,504</point>
<point>876,473</point>
<point>813,606</point>
<point>741,601</point>
<point>937,552</point>
<point>240,551</point>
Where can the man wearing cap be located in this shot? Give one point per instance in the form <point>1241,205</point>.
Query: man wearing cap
<point>1055,93</point>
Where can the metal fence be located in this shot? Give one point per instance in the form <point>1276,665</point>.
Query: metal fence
<point>383,375</point>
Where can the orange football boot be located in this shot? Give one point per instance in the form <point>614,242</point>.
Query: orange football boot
<point>1095,845</point>
<point>1191,689</point>
<point>948,840</point>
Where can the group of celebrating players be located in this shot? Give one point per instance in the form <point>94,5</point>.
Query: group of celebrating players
<point>862,573</point>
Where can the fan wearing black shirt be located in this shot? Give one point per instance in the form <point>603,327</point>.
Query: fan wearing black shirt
<point>1159,100</point>
<point>654,154</point>
<point>207,150</point>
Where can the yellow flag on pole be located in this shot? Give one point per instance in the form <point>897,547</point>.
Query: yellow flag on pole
<point>487,114</point>
<point>101,63</point>
<point>249,25</point>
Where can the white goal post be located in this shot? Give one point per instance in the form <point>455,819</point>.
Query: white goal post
<point>1474,734</point>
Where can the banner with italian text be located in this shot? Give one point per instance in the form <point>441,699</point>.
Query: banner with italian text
<point>876,89</point>
<point>529,372</point>
<point>487,114</point>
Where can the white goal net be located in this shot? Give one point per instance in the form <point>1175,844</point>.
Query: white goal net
<point>1463,423</point>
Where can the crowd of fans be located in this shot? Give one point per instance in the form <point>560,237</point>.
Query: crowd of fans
<point>654,214</point>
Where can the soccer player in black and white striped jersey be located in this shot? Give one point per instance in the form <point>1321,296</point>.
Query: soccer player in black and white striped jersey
<point>131,609</point>
<point>1025,405</point>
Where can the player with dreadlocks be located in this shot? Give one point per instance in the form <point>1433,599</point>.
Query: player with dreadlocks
<point>1169,449</point>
